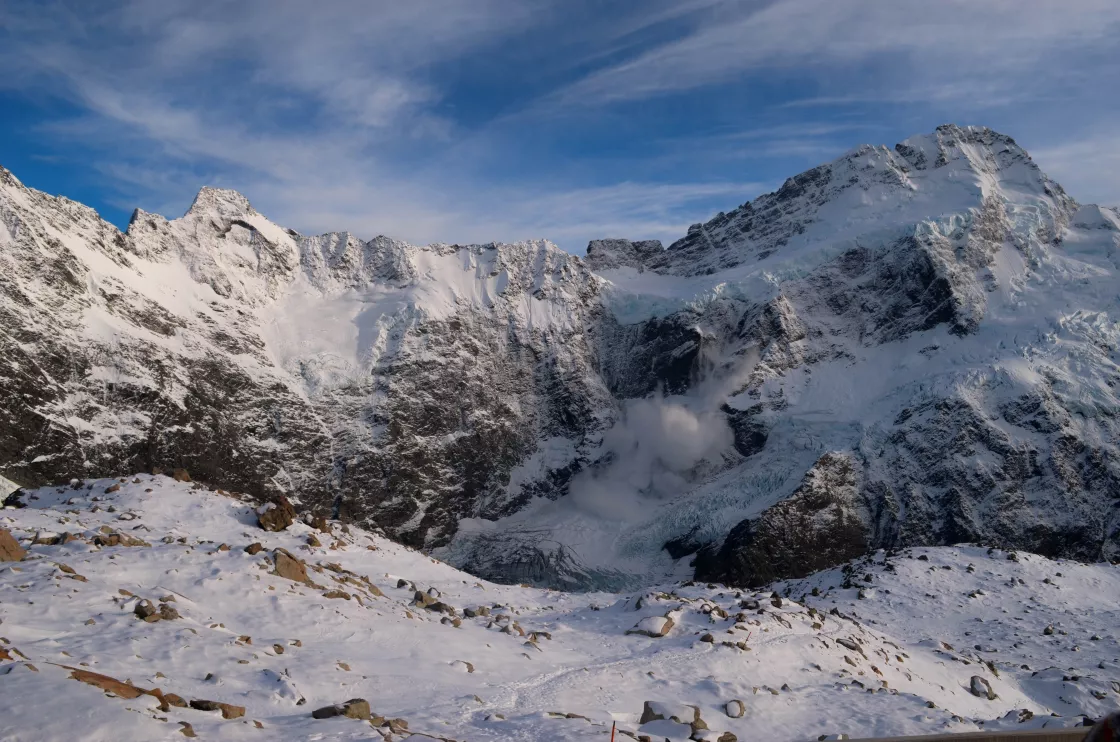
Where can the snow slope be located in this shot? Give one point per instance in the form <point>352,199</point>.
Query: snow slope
<point>888,645</point>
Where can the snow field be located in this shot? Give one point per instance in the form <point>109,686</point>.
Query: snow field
<point>538,664</point>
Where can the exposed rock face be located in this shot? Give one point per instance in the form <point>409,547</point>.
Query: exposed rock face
<point>821,524</point>
<point>444,368</point>
<point>607,254</point>
<point>891,405</point>
<point>933,326</point>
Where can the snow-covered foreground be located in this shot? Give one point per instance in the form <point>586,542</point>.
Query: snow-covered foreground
<point>898,660</point>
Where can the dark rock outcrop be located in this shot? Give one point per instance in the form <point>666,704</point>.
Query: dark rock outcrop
<point>822,524</point>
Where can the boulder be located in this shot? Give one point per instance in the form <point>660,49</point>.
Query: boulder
<point>180,475</point>
<point>167,700</point>
<point>46,538</point>
<point>110,685</point>
<point>981,688</point>
<point>276,515</point>
<point>676,712</point>
<point>355,708</point>
<point>289,567</point>
<point>146,611</point>
<point>735,709</point>
<point>400,726</point>
<point>652,626</point>
<point>15,499</point>
<point>114,538</point>
<point>229,711</point>
<point>10,550</point>
<point>254,548</point>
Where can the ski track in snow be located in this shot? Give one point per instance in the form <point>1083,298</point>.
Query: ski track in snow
<point>923,628</point>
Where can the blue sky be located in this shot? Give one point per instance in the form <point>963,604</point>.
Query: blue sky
<point>479,120</point>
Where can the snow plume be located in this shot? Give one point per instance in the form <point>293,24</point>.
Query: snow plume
<point>654,449</point>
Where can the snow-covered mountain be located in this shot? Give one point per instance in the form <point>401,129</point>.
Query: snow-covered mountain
<point>906,346</point>
<point>145,608</point>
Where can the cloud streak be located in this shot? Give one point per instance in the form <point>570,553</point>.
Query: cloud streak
<point>961,39</point>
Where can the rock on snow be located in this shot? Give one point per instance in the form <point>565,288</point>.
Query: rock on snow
<point>251,654</point>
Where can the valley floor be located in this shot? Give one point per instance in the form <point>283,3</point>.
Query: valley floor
<point>892,653</point>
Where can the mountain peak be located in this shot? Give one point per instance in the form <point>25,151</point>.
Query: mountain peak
<point>6,176</point>
<point>953,169</point>
<point>950,142</point>
<point>222,202</point>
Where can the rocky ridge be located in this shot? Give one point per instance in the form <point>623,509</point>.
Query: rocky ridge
<point>933,326</point>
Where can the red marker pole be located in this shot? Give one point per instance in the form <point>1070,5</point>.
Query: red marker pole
<point>613,723</point>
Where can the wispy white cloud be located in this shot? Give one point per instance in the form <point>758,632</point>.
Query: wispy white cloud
<point>630,209</point>
<point>1087,166</point>
<point>925,42</point>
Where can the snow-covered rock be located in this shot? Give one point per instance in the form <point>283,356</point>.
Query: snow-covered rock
<point>652,626</point>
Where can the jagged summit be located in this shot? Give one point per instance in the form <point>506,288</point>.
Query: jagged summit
<point>870,187</point>
<point>223,202</point>
<point>7,176</point>
<point>950,142</point>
